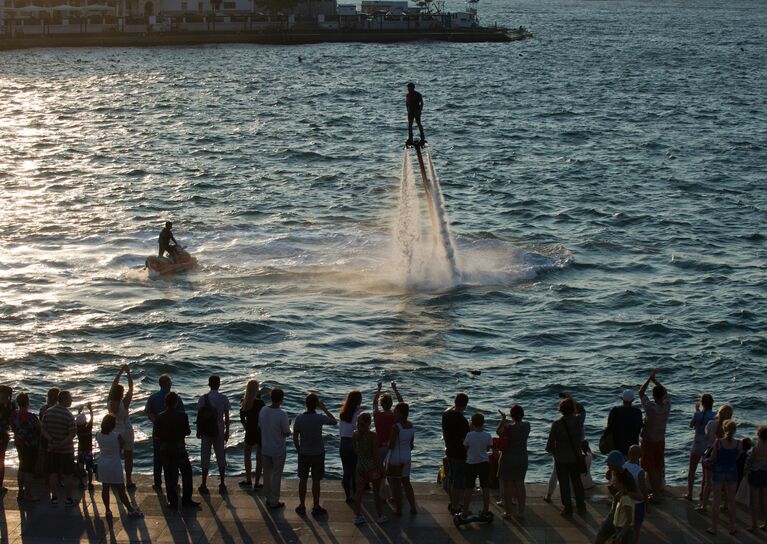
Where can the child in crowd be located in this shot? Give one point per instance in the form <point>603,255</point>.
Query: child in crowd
<point>640,479</point>
<point>369,468</point>
<point>623,519</point>
<point>745,446</point>
<point>85,446</point>
<point>588,482</point>
<point>756,468</point>
<point>477,442</point>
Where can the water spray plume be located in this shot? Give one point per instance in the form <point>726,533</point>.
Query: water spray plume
<point>427,254</point>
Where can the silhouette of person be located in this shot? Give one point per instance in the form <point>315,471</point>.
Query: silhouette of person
<point>165,238</point>
<point>414,102</point>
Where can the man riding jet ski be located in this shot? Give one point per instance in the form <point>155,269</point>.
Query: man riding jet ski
<point>178,260</point>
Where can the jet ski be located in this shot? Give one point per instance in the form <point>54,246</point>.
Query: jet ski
<point>181,262</point>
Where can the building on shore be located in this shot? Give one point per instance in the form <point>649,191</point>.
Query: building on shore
<point>77,17</point>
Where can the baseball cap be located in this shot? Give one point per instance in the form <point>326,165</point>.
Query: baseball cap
<point>628,395</point>
<point>615,459</point>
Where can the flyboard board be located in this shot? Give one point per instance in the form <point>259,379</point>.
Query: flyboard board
<point>459,520</point>
<point>435,201</point>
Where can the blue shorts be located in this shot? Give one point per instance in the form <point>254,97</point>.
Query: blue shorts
<point>726,476</point>
<point>456,473</point>
<point>639,511</point>
<point>85,461</point>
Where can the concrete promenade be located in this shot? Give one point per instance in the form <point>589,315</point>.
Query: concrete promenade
<point>241,516</point>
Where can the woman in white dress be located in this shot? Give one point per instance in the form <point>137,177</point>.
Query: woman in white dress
<point>118,405</point>
<point>401,442</point>
<point>110,467</point>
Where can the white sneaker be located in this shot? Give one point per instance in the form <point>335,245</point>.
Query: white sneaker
<point>359,520</point>
<point>382,519</point>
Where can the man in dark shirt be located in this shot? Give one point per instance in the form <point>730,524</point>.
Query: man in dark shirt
<point>166,236</point>
<point>155,405</point>
<point>454,430</point>
<point>414,102</point>
<point>625,423</point>
<point>171,427</point>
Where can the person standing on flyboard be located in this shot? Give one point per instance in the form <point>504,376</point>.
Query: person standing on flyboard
<point>414,102</point>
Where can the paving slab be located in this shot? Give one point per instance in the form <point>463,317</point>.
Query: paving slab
<point>240,517</point>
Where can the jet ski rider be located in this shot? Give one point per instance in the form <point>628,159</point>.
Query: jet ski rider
<point>165,238</point>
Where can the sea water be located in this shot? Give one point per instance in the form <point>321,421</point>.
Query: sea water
<point>604,185</point>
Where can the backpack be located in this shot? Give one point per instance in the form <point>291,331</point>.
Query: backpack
<point>26,433</point>
<point>207,420</point>
<point>503,440</point>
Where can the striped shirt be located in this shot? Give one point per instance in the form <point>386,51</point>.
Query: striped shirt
<point>60,424</point>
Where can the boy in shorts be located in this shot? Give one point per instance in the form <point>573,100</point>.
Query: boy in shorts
<point>477,443</point>
<point>85,446</point>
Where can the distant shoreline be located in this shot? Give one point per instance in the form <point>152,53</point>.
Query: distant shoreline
<point>492,35</point>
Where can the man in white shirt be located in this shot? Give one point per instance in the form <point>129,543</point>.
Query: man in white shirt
<point>275,427</point>
<point>216,439</point>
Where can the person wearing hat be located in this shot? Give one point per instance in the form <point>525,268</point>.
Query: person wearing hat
<point>414,102</point>
<point>625,423</point>
<point>621,483</point>
<point>166,236</point>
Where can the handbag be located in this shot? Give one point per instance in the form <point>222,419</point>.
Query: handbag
<point>580,459</point>
<point>606,442</point>
<point>707,460</point>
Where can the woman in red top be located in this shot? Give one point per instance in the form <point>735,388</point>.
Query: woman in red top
<point>384,420</point>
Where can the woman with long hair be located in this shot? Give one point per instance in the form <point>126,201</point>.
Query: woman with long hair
<point>714,431</point>
<point>513,466</point>
<point>725,474</point>
<point>401,443</point>
<point>26,431</point>
<point>250,408</point>
<point>350,410</point>
<point>118,404</point>
<point>703,414</point>
<point>110,466</point>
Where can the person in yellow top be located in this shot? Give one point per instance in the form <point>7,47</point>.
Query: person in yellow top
<point>623,519</point>
<point>618,526</point>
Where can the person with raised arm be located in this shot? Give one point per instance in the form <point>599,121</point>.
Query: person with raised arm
<point>700,419</point>
<point>118,404</point>
<point>384,420</point>
<point>401,444</point>
<point>653,441</point>
<point>85,463</point>
<point>350,410</point>
<point>307,437</point>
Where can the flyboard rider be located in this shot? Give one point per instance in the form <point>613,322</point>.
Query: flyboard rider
<point>166,236</point>
<point>414,102</point>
